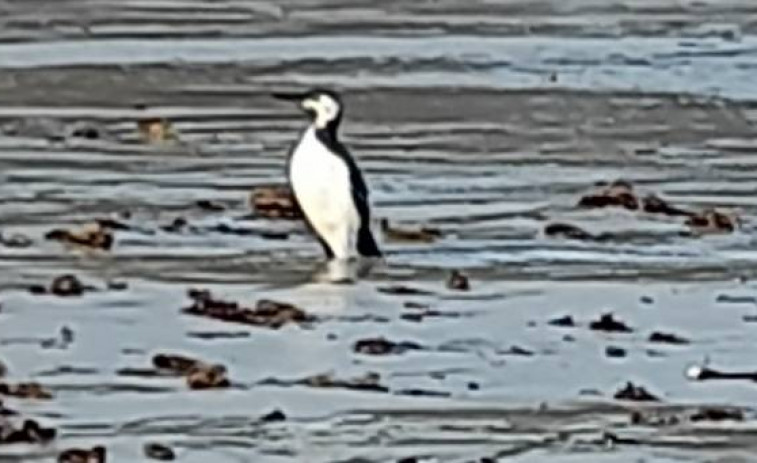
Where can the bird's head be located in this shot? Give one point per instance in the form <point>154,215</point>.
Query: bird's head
<point>323,106</point>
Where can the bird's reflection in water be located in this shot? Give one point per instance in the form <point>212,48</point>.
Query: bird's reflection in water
<point>337,287</point>
<point>344,271</point>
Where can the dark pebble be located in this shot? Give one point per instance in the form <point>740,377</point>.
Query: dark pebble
<point>66,286</point>
<point>615,352</point>
<point>734,299</point>
<point>16,240</point>
<point>213,335</point>
<point>635,393</point>
<point>717,414</point>
<point>401,290</point>
<point>516,350</point>
<point>415,305</point>
<point>667,338</point>
<point>112,224</point>
<point>66,335</point>
<point>563,322</point>
<point>412,317</point>
<point>38,289</point>
<point>117,285</point>
<point>412,392</point>
<point>87,132</point>
<point>159,452</point>
<point>229,230</point>
<point>608,323</point>
<point>565,230</point>
<point>208,205</point>
<point>275,416</point>
<point>178,224</point>
<point>272,235</point>
<point>457,281</point>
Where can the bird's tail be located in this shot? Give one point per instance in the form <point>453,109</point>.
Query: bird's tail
<point>366,243</point>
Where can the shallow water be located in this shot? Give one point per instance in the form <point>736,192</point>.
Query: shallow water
<point>487,121</point>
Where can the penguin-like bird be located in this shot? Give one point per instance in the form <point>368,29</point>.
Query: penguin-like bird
<point>326,181</point>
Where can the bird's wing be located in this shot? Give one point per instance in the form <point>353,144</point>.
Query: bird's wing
<point>366,243</point>
<point>359,188</point>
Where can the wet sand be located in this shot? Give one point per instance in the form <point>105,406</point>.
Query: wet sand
<point>485,123</point>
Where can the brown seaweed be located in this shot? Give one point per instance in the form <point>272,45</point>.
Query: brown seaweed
<point>711,221</point>
<point>198,374</point>
<point>618,194</point>
<point>156,130</point>
<point>370,382</point>
<point>91,235</point>
<point>266,313</point>
<point>274,202</point>
<point>383,346</point>
<point>397,234</point>
<point>25,391</point>
<point>30,432</point>
<point>96,454</point>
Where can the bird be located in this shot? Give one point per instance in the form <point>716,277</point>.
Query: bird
<point>327,184</point>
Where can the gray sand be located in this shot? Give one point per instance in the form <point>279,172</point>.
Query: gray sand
<point>487,122</point>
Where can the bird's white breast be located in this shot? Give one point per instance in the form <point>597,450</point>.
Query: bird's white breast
<point>321,182</point>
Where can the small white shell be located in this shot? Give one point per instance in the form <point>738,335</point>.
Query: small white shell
<point>694,372</point>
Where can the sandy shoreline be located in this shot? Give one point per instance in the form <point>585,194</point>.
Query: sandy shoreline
<point>488,123</point>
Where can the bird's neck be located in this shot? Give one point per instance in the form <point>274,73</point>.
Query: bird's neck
<point>327,133</point>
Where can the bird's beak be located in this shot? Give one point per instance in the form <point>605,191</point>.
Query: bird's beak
<point>289,96</point>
